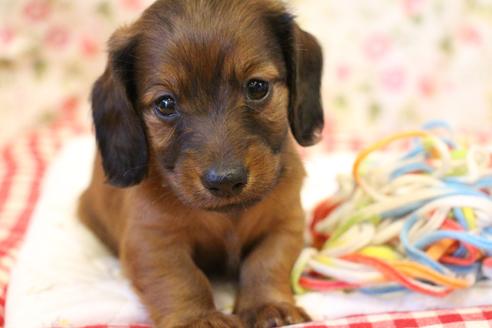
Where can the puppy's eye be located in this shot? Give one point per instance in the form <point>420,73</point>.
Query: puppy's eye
<point>257,89</point>
<point>165,107</point>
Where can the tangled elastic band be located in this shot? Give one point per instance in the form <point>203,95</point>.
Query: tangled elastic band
<point>421,221</point>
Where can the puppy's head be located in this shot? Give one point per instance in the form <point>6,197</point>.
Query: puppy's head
<point>206,91</point>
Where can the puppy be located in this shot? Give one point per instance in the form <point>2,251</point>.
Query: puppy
<point>196,118</point>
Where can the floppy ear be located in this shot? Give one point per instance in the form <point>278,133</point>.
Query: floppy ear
<point>120,131</point>
<point>304,62</point>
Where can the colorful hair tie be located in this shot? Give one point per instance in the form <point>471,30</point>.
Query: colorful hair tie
<point>419,221</point>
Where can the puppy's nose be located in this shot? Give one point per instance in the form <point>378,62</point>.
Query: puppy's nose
<point>225,182</point>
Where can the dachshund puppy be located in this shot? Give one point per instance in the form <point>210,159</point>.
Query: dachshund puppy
<point>196,118</point>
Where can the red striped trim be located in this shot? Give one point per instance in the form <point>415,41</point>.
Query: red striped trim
<point>10,171</point>
<point>2,305</point>
<point>5,188</point>
<point>53,137</point>
<point>480,316</point>
<point>18,229</point>
<point>20,226</point>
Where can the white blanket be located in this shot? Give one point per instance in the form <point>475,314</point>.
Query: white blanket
<point>64,276</point>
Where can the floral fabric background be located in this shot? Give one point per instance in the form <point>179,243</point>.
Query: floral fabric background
<point>388,64</point>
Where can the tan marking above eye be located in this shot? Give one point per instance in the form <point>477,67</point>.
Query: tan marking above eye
<point>152,93</point>
<point>267,72</point>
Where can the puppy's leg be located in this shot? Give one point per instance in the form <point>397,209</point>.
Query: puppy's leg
<point>174,290</point>
<point>265,298</point>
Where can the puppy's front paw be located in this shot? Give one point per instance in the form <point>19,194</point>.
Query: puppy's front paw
<point>215,320</point>
<point>273,315</point>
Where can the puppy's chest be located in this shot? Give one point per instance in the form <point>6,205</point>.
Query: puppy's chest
<point>220,250</point>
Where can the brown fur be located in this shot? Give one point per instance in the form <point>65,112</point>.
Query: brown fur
<point>167,228</point>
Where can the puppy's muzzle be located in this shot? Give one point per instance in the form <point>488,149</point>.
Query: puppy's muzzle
<point>225,182</point>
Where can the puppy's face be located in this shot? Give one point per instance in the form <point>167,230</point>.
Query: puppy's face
<point>212,87</point>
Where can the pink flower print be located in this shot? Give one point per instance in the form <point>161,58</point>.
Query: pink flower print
<point>356,143</point>
<point>132,4</point>
<point>427,86</point>
<point>7,34</point>
<point>393,79</point>
<point>68,111</point>
<point>343,72</point>
<point>471,35</point>
<point>57,37</point>
<point>69,105</point>
<point>89,46</point>
<point>37,10</point>
<point>376,46</point>
<point>412,7</point>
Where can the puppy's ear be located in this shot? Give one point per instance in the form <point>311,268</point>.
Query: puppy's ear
<point>304,62</point>
<point>120,131</point>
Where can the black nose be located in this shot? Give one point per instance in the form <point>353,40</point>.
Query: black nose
<point>225,182</point>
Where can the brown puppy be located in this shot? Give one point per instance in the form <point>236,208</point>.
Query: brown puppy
<point>197,171</point>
